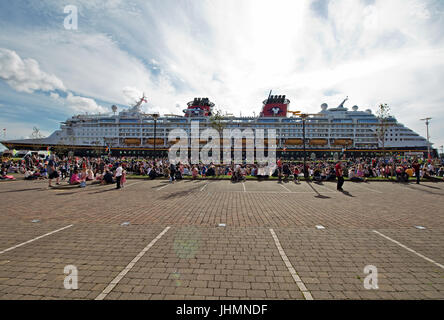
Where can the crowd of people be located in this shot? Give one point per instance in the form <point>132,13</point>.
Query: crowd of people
<point>109,170</point>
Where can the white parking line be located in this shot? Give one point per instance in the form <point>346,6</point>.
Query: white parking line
<point>37,238</point>
<point>202,189</point>
<point>131,184</point>
<point>119,277</point>
<point>285,187</point>
<point>361,186</point>
<point>169,184</point>
<point>297,279</point>
<point>411,250</point>
<point>162,187</point>
<point>327,188</point>
<point>274,192</point>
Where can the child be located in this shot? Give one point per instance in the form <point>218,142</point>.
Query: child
<point>296,174</point>
<point>74,178</point>
<point>194,172</point>
<point>123,180</point>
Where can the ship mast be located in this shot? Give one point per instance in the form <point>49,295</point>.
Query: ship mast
<point>136,107</point>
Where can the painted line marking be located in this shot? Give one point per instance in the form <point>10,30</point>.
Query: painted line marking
<point>168,184</point>
<point>162,187</point>
<point>274,192</point>
<point>37,238</point>
<point>130,265</point>
<point>327,188</point>
<point>361,186</point>
<point>411,250</point>
<point>285,187</point>
<point>202,189</point>
<point>406,188</point>
<point>297,279</point>
<point>131,184</point>
<point>243,185</point>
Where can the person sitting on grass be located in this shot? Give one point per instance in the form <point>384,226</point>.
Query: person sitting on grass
<point>211,172</point>
<point>296,173</point>
<point>360,173</point>
<point>83,175</point>
<point>317,174</point>
<point>3,175</point>
<point>194,172</point>
<point>353,176</point>
<point>152,173</point>
<point>323,174</point>
<point>89,175</point>
<point>107,177</point>
<point>75,179</point>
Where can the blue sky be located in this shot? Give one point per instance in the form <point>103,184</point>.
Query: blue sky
<point>232,51</point>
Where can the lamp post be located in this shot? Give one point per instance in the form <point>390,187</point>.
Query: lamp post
<point>304,117</point>
<point>155,117</point>
<point>427,121</point>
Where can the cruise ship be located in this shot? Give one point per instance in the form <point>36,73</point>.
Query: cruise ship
<point>328,133</point>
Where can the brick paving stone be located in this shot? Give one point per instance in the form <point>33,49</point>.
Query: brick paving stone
<point>196,259</point>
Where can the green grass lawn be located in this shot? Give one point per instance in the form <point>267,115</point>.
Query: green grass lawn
<point>226,177</point>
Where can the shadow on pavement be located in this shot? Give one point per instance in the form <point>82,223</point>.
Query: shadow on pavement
<point>318,195</point>
<point>180,194</point>
<point>20,190</point>
<point>348,194</point>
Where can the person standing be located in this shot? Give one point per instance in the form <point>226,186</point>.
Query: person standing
<point>52,171</point>
<point>118,175</point>
<point>279,169</point>
<point>123,179</point>
<point>339,176</point>
<point>172,172</point>
<point>416,166</point>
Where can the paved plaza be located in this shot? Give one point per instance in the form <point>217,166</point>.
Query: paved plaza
<point>155,240</point>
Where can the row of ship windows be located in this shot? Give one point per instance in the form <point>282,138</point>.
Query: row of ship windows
<point>160,135</point>
<point>403,139</point>
<point>283,134</point>
<point>134,130</point>
<point>113,128</point>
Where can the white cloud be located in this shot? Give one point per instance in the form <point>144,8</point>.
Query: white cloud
<point>132,95</point>
<point>234,52</point>
<point>82,104</point>
<point>54,95</point>
<point>25,75</point>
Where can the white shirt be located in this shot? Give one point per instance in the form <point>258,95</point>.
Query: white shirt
<point>119,171</point>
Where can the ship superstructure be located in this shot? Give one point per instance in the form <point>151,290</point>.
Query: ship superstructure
<point>134,133</point>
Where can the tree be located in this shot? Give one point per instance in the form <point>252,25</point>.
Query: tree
<point>216,121</point>
<point>383,114</point>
